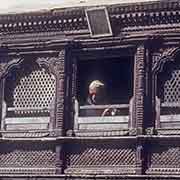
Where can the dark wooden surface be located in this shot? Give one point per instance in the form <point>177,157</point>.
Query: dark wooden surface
<point>146,148</point>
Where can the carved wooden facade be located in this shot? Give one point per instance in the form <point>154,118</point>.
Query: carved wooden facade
<point>42,133</point>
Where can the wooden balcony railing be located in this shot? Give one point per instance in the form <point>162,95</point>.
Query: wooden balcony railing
<point>102,117</point>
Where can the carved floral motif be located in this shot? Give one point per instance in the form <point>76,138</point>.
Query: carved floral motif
<point>163,56</point>
<point>5,67</point>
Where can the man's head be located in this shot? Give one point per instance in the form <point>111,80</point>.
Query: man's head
<point>95,86</point>
<point>96,91</point>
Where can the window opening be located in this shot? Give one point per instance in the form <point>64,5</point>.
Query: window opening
<point>115,86</point>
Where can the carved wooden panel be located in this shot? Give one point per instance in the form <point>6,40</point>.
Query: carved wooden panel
<point>27,158</point>
<point>97,158</point>
<point>30,87</point>
<point>60,90</point>
<point>164,159</point>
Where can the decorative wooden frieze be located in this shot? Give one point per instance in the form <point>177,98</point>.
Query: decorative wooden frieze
<point>135,21</point>
<point>88,133</point>
<point>45,23</point>
<point>132,17</point>
<point>168,131</point>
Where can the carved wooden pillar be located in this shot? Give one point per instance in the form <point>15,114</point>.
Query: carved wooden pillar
<point>139,88</point>
<point>140,93</point>
<point>148,109</point>
<point>139,158</point>
<point>60,73</point>
<point>74,89</point>
<point>60,158</point>
<point>56,65</point>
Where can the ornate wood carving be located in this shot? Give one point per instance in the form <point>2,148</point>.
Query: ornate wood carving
<point>139,101</point>
<point>73,20</point>
<point>101,158</point>
<point>54,21</point>
<point>27,158</point>
<point>164,157</point>
<point>57,67</point>
<point>159,59</point>
<point>139,87</point>
<point>104,133</point>
<point>107,159</point>
<point>8,64</point>
<point>164,55</point>
<point>125,19</point>
<point>74,87</point>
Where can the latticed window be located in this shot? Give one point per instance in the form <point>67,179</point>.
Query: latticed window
<point>169,95</point>
<point>28,98</point>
